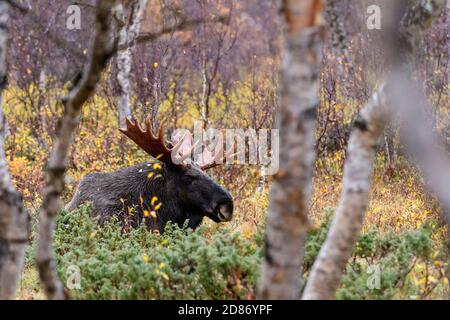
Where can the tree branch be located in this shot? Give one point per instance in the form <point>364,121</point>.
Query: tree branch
<point>101,50</point>
<point>51,35</point>
<point>180,26</point>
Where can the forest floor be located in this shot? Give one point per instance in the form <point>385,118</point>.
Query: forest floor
<point>397,204</point>
<point>396,233</point>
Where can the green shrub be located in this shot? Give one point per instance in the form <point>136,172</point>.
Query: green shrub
<point>315,239</point>
<point>399,261</point>
<point>180,264</point>
<point>223,264</point>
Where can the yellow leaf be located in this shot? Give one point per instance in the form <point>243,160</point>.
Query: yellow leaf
<point>165,276</point>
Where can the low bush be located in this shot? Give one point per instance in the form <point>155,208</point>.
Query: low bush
<point>225,264</point>
<point>179,264</point>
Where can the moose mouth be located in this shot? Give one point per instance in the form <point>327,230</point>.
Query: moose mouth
<point>223,213</point>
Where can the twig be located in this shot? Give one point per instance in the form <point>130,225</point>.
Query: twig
<point>182,25</point>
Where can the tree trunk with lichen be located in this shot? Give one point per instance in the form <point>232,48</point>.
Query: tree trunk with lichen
<point>14,219</point>
<point>347,222</point>
<point>401,39</point>
<point>287,221</point>
<point>128,32</point>
<point>100,52</point>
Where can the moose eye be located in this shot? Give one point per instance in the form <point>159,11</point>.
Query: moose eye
<point>187,178</point>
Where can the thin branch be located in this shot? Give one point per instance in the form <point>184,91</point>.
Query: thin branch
<point>184,24</point>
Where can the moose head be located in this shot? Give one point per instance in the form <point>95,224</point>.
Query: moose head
<point>172,188</point>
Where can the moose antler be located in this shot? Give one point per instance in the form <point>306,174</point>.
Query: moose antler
<point>153,145</point>
<point>176,155</point>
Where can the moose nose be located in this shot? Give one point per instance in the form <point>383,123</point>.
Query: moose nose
<point>225,210</point>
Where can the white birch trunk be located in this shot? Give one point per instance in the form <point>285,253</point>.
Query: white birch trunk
<point>14,219</point>
<point>347,222</point>
<point>127,34</point>
<point>100,52</point>
<point>287,221</point>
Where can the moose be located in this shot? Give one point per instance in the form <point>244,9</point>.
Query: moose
<point>166,188</point>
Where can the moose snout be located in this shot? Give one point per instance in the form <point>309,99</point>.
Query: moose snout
<point>225,210</point>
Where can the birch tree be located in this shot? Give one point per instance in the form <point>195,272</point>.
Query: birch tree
<point>14,219</point>
<point>101,50</point>
<point>344,230</point>
<point>287,221</point>
<point>368,129</point>
<point>128,32</point>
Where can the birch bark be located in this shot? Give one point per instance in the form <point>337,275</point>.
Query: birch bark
<point>287,221</point>
<point>327,270</point>
<point>128,32</point>
<point>14,219</point>
<point>101,50</point>
<point>347,222</point>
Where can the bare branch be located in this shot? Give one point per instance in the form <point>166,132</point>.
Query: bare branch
<point>101,50</point>
<point>183,24</point>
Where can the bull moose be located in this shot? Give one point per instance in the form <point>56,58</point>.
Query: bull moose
<point>157,191</point>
